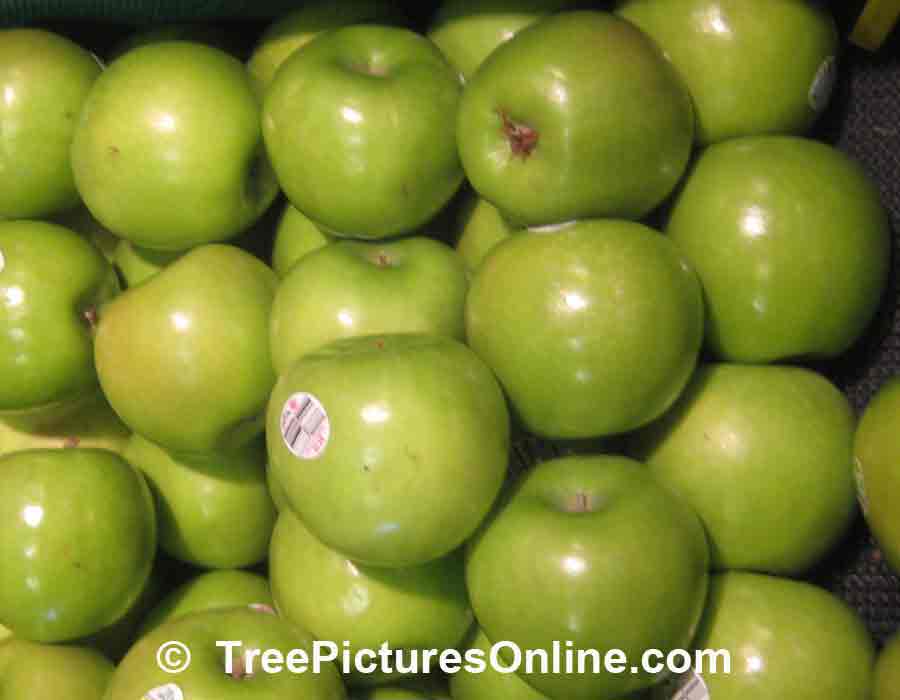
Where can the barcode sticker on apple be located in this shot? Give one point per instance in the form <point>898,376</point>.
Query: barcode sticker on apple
<point>262,608</point>
<point>687,686</point>
<point>164,692</point>
<point>823,84</point>
<point>305,427</point>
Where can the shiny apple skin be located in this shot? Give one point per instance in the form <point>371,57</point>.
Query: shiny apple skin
<point>887,671</point>
<point>791,244</point>
<point>787,639</point>
<point>751,67</point>
<point>479,229</point>
<point>295,237</point>
<point>52,672</point>
<point>77,544</point>
<point>593,329</point>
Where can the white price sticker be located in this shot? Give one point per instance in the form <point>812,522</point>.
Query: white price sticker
<point>687,686</point>
<point>164,692</point>
<point>823,84</point>
<point>305,427</point>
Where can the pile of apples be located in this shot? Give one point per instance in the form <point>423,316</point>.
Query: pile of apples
<point>603,230</point>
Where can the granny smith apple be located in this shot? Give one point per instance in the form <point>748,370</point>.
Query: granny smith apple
<point>77,540</point>
<point>295,236</point>
<point>48,672</point>
<point>764,454</point>
<point>410,690</point>
<point>468,31</point>
<point>319,589</point>
<point>44,81</point>
<point>593,329</point>
<point>139,675</point>
<point>355,288</point>
<point>136,264</point>
<point>479,228</point>
<point>539,137</point>
<point>359,126</point>
<point>297,28</point>
<point>184,357</point>
<point>4,633</point>
<point>168,152</point>
<point>226,588</point>
<point>791,243</point>
<point>751,68</point>
<point>489,684</point>
<point>391,448</point>
<point>887,671</point>
<point>51,283</point>
<point>276,491</point>
<point>786,638</point>
<point>877,453</point>
<point>81,221</point>
<point>214,510</point>
<point>594,551</point>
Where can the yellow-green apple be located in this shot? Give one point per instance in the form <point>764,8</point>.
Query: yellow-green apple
<point>51,283</point>
<point>887,671</point>
<point>176,162</point>
<point>751,68</point>
<point>764,454</point>
<point>408,690</point>
<point>393,448</point>
<point>538,137</point>
<point>136,264</point>
<point>791,244</point>
<point>184,358</point>
<point>214,638</point>
<point>786,639</point>
<point>295,236</point>
<point>214,510</point>
<point>370,110</point>
<point>479,228</point>
<point>49,672</point>
<point>593,329</point>
<point>77,541</point>
<point>592,551</point>
<point>80,220</point>
<point>354,288</point>
<point>412,608</point>
<point>44,82</point>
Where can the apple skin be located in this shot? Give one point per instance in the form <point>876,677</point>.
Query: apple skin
<point>136,264</point>
<point>184,358</point>
<point>370,110</point>
<point>537,137</point>
<point>877,454</point>
<point>417,453</point>
<point>593,329</point>
<point>52,281</point>
<point>213,510</point>
<point>764,455</point>
<point>48,672</point>
<point>81,221</point>
<point>355,288</point>
<point>787,639</point>
<point>44,80</point>
<point>575,554</point>
<point>791,244</point>
<point>77,540</point>
<point>489,685</point>
<point>295,237</point>
<point>211,590</point>
<point>887,671</point>
<point>468,31</point>
<point>750,68</point>
<point>479,229</point>
<point>170,164</point>
<point>205,679</point>
<point>411,690</point>
<point>296,29</point>
<point>319,589</point>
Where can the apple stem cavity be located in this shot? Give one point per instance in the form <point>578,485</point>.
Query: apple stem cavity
<point>580,502</point>
<point>522,139</point>
<point>91,317</point>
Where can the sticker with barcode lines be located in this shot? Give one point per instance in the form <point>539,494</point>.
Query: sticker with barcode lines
<point>688,686</point>
<point>305,427</point>
<point>164,692</point>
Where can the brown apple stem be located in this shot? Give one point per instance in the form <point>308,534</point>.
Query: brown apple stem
<point>522,138</point>
<point>71,442</point>
<point>382,260</point>
<point>239,669</point>
<point>580,502</point>
<point>91,317</point>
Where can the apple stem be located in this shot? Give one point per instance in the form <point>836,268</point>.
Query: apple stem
<point>382,260</point>
<point>91,317</point>
<point>580,502</point>
<point>239,669</point>
<point>522,139</point>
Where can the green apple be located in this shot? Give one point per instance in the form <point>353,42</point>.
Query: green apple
<point>887,671</point>
<point>593,329</point>
<point>489,684</point>
<point>392,449</point>
<point>408,690</point>
<point>877,453</point>
<point>44,81</point>
<point>296,29</point>
<point>51,283</point>
<point>787,639</point>
<point>276,491</point>
<point>207,678</point>
<point>538,137</point>
<point>184,358</point>
<point>4,633</point>
<point>752,68</point>
<point>214,510</point>
<point>77,540</point>
<point>479,228</point>
<point>168,152</point>
<point>368,110</point>
<point>48,672</point>
<point>354,288</point>
<point>319,589</point>
<point>136,264</point>
<point>226,588</point>
<point>81,221</point>
<point>791,244</point>
<point>295,237</point>
<point>764,454</point>
<point>593,551</point>
<point>468,31</point>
